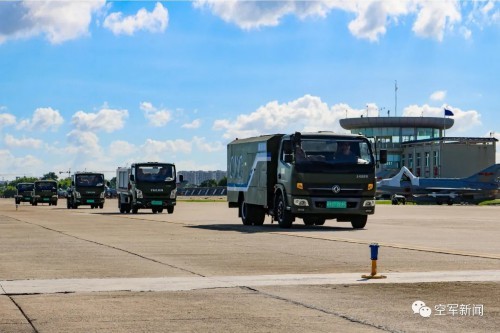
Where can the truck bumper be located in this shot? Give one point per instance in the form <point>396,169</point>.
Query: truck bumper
<point>89,201</point>
<point>157,202</point>
<point>327,207</point>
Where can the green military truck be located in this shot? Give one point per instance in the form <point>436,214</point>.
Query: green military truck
<point>87,189</point>
<point>45,192</point>
<point>313,176</point>
<point>24,193</point>
<point>148,185</point>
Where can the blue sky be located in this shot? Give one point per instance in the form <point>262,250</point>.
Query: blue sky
<point>93,85</point>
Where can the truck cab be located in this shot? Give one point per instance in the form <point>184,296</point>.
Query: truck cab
<point>148,185</point>
<point>24,193</point>
<point>87,189</point>
<point>45,192</point>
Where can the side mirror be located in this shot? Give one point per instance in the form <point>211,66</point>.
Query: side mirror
<point>132,178</point>
<point>72,183</point>
<point>181,178</point>
<point>108,184</point>
<point>383,156</point>
<point>288,158</point>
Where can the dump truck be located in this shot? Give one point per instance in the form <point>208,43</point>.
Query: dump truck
<point>24,193</point>
<point>45,192</point>
<point>147,185</point>
<point>87,189</point>
<point>312,176</point>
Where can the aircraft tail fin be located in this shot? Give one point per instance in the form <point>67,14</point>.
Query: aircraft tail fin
<point>488,175</point>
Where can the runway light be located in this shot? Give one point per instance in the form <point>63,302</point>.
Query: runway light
<point>374,257</point>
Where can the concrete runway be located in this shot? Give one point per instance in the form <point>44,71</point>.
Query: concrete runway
<point>200,269</point>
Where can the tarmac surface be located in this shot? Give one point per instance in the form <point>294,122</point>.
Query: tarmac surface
<point>199,269</point>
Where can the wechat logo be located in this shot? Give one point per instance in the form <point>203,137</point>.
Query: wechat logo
<point>420,308</point>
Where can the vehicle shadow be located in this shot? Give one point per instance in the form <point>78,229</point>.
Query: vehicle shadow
<point>248,229</point>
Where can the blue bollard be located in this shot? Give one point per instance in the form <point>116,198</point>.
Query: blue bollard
<point>374,251</point>
<point>374,256</point>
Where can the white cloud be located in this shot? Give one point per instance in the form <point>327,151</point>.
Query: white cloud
<point>439,95</point>
<point>307,113</point>
<point>107,120</point>
<point>192,125</point>
<point>7,119</point>
<point>25,165</point>
<point>43,119</point>
<point>435,16</point>
<point>155,21</point>
<point>156,117</point>
<point>121,148</point>
<point>12,142</point>
<point>464,120</point>
<point>207,147</point>
<point>58,21</point>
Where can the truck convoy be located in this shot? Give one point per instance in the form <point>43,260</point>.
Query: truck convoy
<point>24,193</point>
<point>87,188</point>
<point>149,185</point>
<point>313,176</point>
<point>45,192</point>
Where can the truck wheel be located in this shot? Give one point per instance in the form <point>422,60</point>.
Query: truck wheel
<point>359,221</point>
<point>122,208</point>
<point>170,209</point>
<point>160,210</point>
<point>154,210</point>
<point>285,219</point>
<point>245,213</point>
<point>135,210</point>
<point>68,204</point>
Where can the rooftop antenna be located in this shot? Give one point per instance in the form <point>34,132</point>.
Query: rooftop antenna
<point>395,98</point>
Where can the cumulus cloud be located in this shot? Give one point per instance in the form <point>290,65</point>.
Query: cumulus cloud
<point>155,21</point>
<point>207,147</point>
<point>464,120</point>
<point>12,142</point>
<point>43,119</point>
<point>156,117</point>
<point>23,165</point>
<point>108,120</point>
<point>439,95</point>
<point>122,148</point>
<point>307,113</point>
<point>192,125</point>
<point>84,142</point>
<point>58,21</point>
<point>7,119</point>
<point>371,20</point>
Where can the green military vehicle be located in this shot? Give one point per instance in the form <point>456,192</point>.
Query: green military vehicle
<point>45,192</point>
<point>24,193</point>
<point>313,176</point>
<point>148,185</point>
<point>87,189</point>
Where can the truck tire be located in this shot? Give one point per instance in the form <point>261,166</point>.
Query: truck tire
<point>245,213</point>
<point>135,210</point>
<point>122,208</point>
<point>252,214</point>
<point>359,221</point>
<point>285,218</point>
<point>68,204</point>
<point>170,209</point>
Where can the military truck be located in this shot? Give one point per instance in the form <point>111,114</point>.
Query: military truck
<point>24,193</point>
<point>87,189</point>
<point>148,185</point>
<point>45,192</point>
<point>312,176</point>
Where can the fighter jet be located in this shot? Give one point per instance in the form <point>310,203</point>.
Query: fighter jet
<point>479,187</point>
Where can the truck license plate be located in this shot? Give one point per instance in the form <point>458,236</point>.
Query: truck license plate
<point>336,204</point>
<point>90,201</point>
<point>157,203</point>
<point>45,199</point>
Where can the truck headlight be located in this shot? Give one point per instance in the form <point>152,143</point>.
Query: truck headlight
<point>173,193</point>
<point>139,194</point>
<point>103,193</point>
<point>369,203</point>
<point>301,202</point>
<point>77,194</point>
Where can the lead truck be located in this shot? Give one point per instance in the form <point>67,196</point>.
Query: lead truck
<point>302,175</point>
<point>148,185</point>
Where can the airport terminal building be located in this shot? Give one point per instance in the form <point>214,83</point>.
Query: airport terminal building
<point>420,144</point>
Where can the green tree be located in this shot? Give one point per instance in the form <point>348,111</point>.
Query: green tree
<point>208,183</point>
<point>23,180</point>
<point>112,182</point>
<point>222,182</point>
<point>50,176</point>
<point>64,183</point>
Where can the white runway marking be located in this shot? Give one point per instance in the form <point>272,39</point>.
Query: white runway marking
<point>194,283</point>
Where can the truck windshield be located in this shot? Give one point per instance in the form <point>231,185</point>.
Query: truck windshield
<point>345,151</point>
<point>45,186</point>
<point>89,180</point>
<point>25,187</point>
<point>156,173</point>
